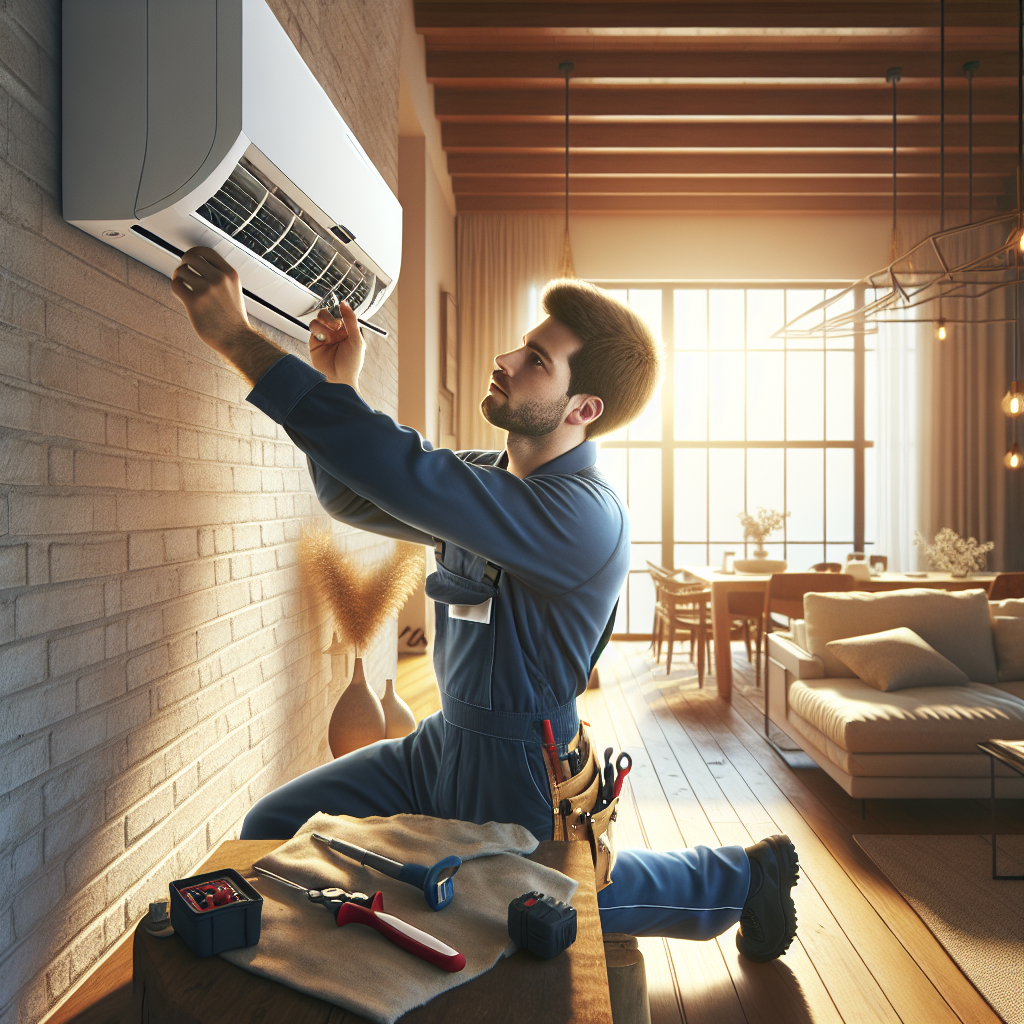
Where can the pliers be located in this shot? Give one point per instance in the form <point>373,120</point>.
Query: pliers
<point>358,908</point>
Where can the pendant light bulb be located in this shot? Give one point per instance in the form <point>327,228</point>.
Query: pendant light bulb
<point>940,330</point>
<point>1013,458</point>
<point>1013,401</point>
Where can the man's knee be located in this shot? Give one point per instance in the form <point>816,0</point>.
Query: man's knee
<point>265,821</point>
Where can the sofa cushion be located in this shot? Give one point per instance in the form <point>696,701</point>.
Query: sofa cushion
<point>897,659</point>
<point>1010,606</point>
<point>926,720</point>
<point>957,625</point>
<point>950,766</point>
<point>1008,634</point>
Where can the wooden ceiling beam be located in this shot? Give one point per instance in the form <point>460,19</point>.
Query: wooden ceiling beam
<point>621,14</point>
<point>446,66</point>
<point>729,101</point>
<point>745,185</point>
<point>701,204</point>
<point>805,162</point>
<point>732,135</point>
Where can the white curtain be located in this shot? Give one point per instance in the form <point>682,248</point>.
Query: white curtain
<point>897,447</point>
<point>503,263</point>
<point>940,435</point>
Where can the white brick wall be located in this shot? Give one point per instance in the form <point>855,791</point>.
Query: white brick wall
<point>160,664</point>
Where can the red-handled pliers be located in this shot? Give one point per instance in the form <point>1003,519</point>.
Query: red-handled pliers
<point>623,763</point>
<point>358,908</point>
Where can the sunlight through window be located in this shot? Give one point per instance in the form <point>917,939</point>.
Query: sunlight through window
<point>743,420</point>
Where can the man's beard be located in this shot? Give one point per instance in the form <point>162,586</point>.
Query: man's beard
<point>531,419</point>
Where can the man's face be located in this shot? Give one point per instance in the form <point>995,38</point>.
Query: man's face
<point>529,390</point>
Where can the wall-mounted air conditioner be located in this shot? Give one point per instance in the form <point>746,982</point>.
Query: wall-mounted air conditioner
<point>196,122</point>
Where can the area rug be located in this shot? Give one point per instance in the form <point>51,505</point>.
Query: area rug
<point>979,921</point>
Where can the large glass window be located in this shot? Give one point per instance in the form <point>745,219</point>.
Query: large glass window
<point>742,420</point>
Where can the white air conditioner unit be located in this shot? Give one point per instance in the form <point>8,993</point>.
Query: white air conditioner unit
<point>196,122</point>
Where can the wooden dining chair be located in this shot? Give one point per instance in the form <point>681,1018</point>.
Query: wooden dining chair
<point>659,574</point>
<point>784,595</point>
<point>880,562</point>
<point>684,613</point>
<point>1006,584</point>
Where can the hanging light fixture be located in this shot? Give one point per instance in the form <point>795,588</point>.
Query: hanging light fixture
<point>970,70</point>
<point>566,267</point>
<point>1013,458</point>
<point>893,75</point>
<point>955,263</point>
<point>940,325</point>
<point>1013,401</point>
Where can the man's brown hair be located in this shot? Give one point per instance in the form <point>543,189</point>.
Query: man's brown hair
<point>619,361</point>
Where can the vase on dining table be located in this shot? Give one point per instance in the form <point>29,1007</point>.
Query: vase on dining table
<point>760,564</point>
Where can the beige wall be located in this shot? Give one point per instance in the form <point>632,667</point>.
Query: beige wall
<point>160,666</point>
<point>428,264</point>
<point>728,248</point>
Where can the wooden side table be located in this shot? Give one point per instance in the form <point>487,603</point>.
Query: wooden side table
<point>1013,756</point>
<point>172,986</point>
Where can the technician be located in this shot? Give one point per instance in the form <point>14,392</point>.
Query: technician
<point>533,549</point>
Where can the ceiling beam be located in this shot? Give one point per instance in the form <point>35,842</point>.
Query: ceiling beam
<point>806,162</point>
<point>750,184</point>
<point>622,14</point>
<point>701,204</point>
<point>725,101</point>
<point>733,135</point>
<point>445,66</point>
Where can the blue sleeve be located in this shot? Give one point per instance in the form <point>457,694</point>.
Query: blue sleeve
<point>342,503</point>
<point>553,532</point>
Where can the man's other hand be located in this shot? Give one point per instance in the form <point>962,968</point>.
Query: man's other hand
<point>209,289</point>
<point>336,348</point>
<point>211,293</point>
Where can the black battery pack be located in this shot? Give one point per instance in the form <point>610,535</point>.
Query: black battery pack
<point>543,925</point>
<point>216,911</point>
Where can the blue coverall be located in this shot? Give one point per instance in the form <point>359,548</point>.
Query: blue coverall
<point>561,539</point>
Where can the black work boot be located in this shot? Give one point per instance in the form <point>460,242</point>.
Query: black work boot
<point>768,921</point>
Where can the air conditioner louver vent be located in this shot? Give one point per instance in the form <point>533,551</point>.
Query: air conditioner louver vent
<point>271,226</point>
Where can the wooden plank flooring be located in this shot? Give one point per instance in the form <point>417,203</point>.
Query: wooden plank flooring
<point>703,773</point>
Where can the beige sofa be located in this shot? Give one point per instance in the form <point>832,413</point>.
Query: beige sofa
<point>918,742</point>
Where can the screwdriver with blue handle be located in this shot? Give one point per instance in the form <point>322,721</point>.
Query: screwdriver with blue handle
<point>435,881</point>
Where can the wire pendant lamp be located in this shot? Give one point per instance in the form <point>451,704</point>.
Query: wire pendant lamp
<point>566,266</point>
<point>953,263</point>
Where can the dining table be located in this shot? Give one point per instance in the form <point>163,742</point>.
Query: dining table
<point>723,584</point>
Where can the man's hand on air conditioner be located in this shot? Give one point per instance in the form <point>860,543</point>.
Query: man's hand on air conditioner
<point>209,288</point>
<point>336,347</point>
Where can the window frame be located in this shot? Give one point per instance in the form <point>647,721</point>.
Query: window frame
<point>668,444</point>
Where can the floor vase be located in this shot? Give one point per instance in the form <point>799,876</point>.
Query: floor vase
<point>358,717</point>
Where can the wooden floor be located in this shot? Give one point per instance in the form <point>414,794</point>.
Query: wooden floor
<point>703,774</point>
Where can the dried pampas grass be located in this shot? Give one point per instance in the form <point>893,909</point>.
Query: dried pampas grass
<point>361,599</point>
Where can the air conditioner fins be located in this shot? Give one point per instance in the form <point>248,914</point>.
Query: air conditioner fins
<point>269,224</point>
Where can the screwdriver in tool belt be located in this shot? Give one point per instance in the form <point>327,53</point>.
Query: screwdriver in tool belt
<point>358,908</point>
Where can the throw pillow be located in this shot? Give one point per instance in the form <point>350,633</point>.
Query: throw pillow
<point>1009,606</point>
<point>1008,634</point>
<point>896,659</point>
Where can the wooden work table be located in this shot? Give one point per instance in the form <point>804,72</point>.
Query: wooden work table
<point>723,584</point>
<point>171,986</point>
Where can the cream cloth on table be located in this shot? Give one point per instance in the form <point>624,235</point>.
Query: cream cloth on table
<point>354,966</point>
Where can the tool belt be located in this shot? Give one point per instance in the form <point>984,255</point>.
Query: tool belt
<point>574,804</point>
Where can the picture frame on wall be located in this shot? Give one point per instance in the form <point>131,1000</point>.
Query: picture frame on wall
<point>449,344</point>
<point>447,413</point>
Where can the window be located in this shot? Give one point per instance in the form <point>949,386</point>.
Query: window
<point>742,420</point>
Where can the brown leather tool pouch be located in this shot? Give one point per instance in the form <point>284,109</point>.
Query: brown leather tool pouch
<point>575,820</point>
